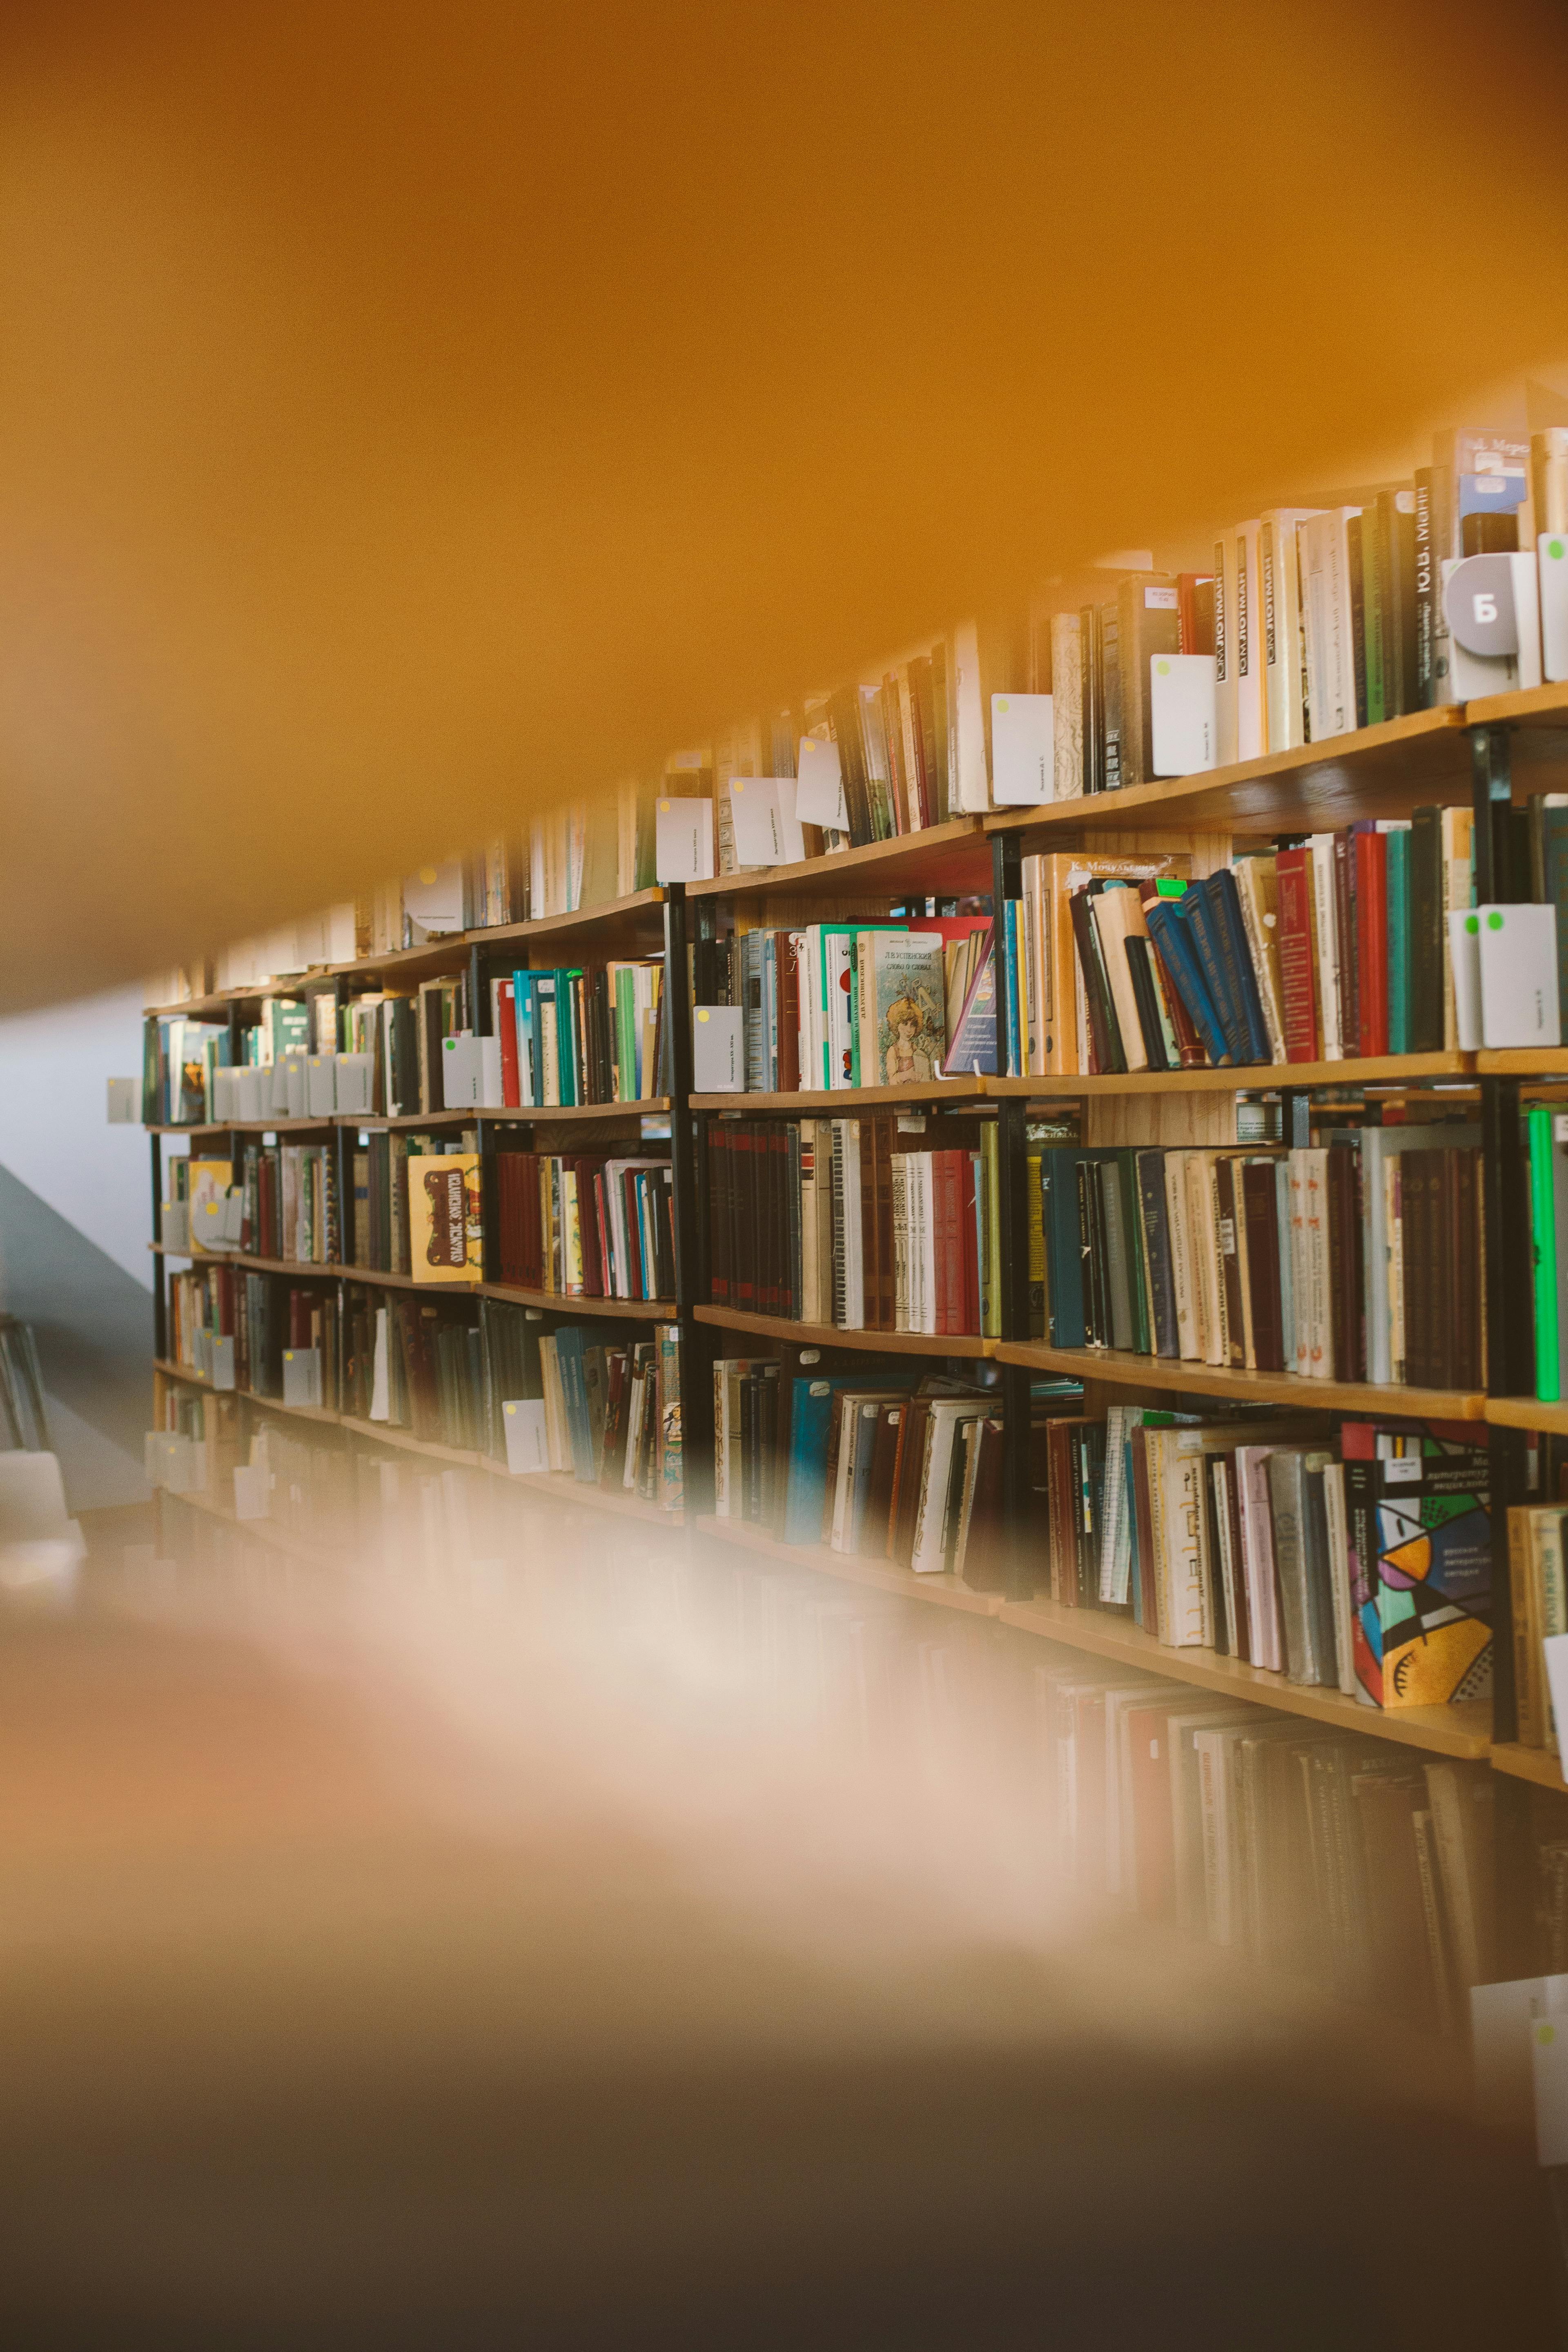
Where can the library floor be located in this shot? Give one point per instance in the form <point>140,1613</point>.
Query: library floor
<point>631,1941</point>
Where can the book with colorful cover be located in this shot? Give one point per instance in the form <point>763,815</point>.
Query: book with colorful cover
<point>1422,1631</point>
<point>208,1183</point>
<point>446,1236</point>
<point>973,1048</point>
<point>908,1039</point>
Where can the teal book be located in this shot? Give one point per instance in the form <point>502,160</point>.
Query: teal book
<point>1399,940</point>
<point>1543,1253</point>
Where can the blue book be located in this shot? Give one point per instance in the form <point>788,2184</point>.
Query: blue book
<point>1206,932</point>
<point>569,1345</point>
<point>811,1407</point>
<point>527,1054</point>
<point>1223,892</point>
<point>1064,1260</point>
<point>1168,929</point>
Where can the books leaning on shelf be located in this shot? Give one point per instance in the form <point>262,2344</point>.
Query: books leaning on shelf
<point>862,1004</point>
<point>1359,1259</point>
<point>856,1222</point>
<point>1334,951</point>
<point>587,1226</point>
<point>1358,1559</point>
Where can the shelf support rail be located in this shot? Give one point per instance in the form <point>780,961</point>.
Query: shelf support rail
<point>688,979</point>
<point>1018,1538</point>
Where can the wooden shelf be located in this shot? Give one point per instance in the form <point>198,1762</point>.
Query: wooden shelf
<point>555,1486</point>
<point>1527,1412</point>
<point>1243,1388</point>
<point>937,861</point>
<point>1377,772</point>
<point>1463,1728</point>
<point>1521,1763</point>
<point>406,1442</point>
<point>829,1335</point>
<point>1523,1061</point>
<point>468,1117</point>
<point>881,1575</point>
<point>263,1532</point>
<point>654,1107</point>
<point>642,1310</point>
<point>848,1102</point>
<point>318,1413</point>
<point>249,1126</point>
<point>1531,707</point>
<point>1247,1078</point>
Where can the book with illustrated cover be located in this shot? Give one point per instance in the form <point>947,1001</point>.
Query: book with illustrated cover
<point>1423,1633</point>
<point>909,1037</point>
<point>445,1238</point>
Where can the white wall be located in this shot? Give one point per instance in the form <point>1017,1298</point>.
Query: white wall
<point>55,1135</point>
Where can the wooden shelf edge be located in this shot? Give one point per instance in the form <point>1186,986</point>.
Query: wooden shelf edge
<point>829,1335</point>
<point>1248,1078</point>
<point>881,1576</point>
<point>403,1440</point>
<point>1144,803</point>
<point>1244,1388</point>
<point>846,1102</point>
<point>1464,1729</point>
<point>1528,706</point>
<point>1521,1763</point>
<point>1527,1412</point>
<point>557,1486</point>
<point>1522,1062</point>
<point>864,863</point>
<point>641,1310</point>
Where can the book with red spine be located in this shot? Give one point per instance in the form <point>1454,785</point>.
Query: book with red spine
<point>969,1240</point>
<point>1372,940</point>
<point>505,1018</point>
<point>1296,970</point>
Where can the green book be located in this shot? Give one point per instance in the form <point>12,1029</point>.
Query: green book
<point>1399,939</point>
<point>1543,1251</point>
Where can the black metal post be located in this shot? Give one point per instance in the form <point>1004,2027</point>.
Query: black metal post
<point>1013,1262</point>
<point>1491,847</point>
<point>1296,1118</point>
<point>686,1179</point>
<point>159,1292</point>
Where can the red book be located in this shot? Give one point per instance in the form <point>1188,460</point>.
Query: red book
<point>786,968</point>
<point>1297,964</point>
<point>1371,940</point>
<point>506,1028</point>
<point>947,1207</point>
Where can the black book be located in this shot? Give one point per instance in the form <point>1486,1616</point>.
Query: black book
<point>1426,931</point>
<point>1104,1031</point>
<point>1110,694</point>
<point>1087,1188</point>
<point>1490,534</point>
<point>1093,699</point>
<point>844,709</point>
<point>1118,1270</point>
<point>1153,1214</point>
<point>1132,1229</point>
<point>1358,612</point>
<point>1139,954</point>
<point>1397,582</point>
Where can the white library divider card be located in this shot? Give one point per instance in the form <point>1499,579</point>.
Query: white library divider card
<point>1182,719</point>
<point>764,834</point>
<point>819,785</point>
<point>523,1418</point>
<point>683,840</point>
<point>1023,749</point>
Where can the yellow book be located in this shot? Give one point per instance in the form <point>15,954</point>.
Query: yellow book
<point>445,1232</point>
<point>208,1181</point>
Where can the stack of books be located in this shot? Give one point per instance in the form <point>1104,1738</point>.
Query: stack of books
<point>859,1223</point>
<point>1359,1259</point>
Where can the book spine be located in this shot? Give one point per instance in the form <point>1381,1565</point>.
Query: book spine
<point>1428,589</point>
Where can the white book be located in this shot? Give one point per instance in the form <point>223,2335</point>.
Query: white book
<point>1181,1463</point>
<point>1325,946</point>
<point>1328,619</point>
<point>846,1160</point>
<point>931,1531</point>
<point>900,1171</point>
<point>1175,1174</point>
<point>926,1193</point>
<point>972,795</point>
<point>1251,706</point>
<point>1518,976</point>
<point>1280,567</point>
<point>1258,1555</point>
<point>1203,1216</point>
<point>1224,678</point>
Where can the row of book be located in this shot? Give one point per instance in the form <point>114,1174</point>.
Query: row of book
<point>1332,1856</point>
<point>874,1223</point>
<point>882,1463</point>
<point>862,1003</point>
<point>1358,1259</point>
<point>585,1226</point>
<point>1357,1559</point>
<point>1330,952</point>
<point>484,1380</point>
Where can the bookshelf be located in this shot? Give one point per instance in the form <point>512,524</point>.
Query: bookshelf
<point>1456,755</point>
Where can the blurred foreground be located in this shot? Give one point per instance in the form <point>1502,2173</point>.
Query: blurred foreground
<point>629,1942</point>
